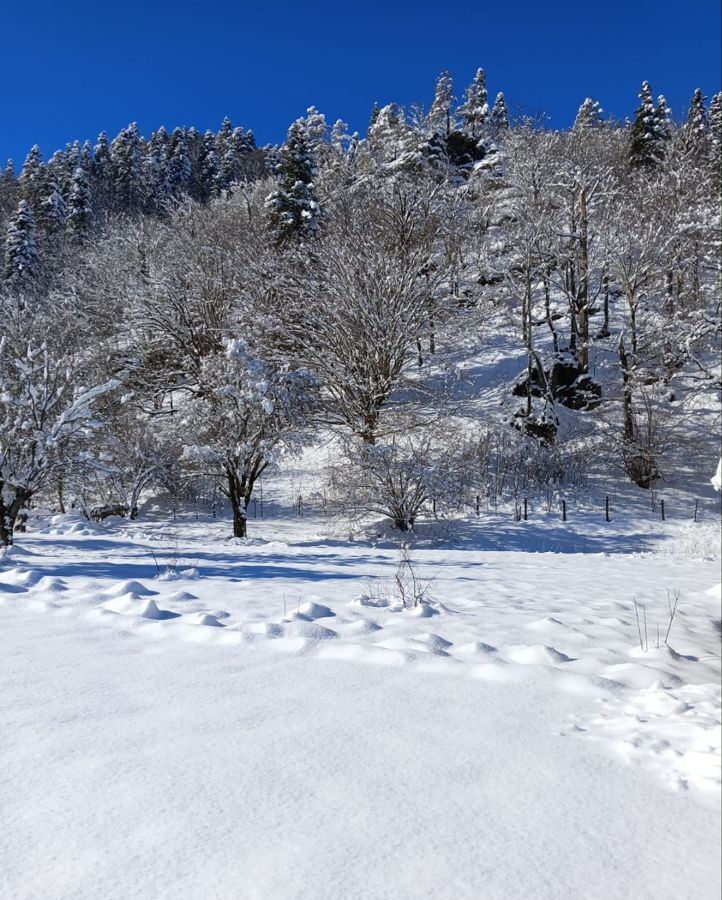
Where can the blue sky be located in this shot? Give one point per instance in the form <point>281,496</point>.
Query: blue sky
<point>70,69</point>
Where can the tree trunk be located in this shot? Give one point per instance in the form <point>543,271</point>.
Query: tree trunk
<point>629,429</point>
<point>9,513</point>
<point>583,293</point>
<point>236,496</point>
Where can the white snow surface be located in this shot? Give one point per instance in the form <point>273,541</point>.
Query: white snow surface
<point>265,721</point>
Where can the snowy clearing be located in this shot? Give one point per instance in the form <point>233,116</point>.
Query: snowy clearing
<point>263,720</point>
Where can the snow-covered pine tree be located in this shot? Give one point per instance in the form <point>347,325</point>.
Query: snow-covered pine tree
<point>209,168</point>
<point>475,108</point>
<point>665,126</point>
<point>646,133</point>
<point>315,129</point>
<point>589,115</point>
<point>100,168</point>
<point>439,117</point>
<point>126,159</point>
<point>375,109</point>
<point>80,210</point>
<point>499,115</point>
<point>156,176</point>
<point>179,164</point>
<point>696,129</point>
<point>294,209</point>
<point>52,210</point>
<point>697,115</point>
<point>339,135</point>
<point>21,251</point>
<point>32,177</point>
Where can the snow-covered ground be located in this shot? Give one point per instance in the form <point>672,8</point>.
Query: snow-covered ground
<point>264,721</point>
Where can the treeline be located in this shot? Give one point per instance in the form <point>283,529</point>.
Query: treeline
<point>179,310</point>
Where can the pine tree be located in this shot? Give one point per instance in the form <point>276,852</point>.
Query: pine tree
<point>21,250</point>
<point>439,117</point>
<point>389,136</point>
<point>209,168</point>
<point>86,156</point>
<point>696,127</point>
<point>475,109</point>
<point>80,210</point>
<point>375,109</point>
<point>179,164</point>
<point>52,210</point>
<point>294,209</point>
<point>499,115</point>
<point>32,177</point>
<point>126,169</point>
<point>663,115</point>
<point>646,137</point>
<point>100,168</point>
<point>339,135</point>
<point>316,129</point>
<point>589,115</point>
<point>156,177</point>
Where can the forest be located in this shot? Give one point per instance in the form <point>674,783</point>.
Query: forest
<point>179,311</point>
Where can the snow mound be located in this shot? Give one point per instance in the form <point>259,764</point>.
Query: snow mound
<point>131,605</point>
<point>423,611</point>
<point>51,585</point>
<point>308,630</point>
<point>265,629</point>
<point>537,655</point>
<point>359,627</point>
<point>181,596</point>
<point>315,610</point>
<point>26,578</point>
<point>475,648</point>
<point>129,587</point>
<point>201,618</point>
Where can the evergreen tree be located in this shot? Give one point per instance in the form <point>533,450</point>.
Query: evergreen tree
<point>52,210</point>
<point>475,109</point>
<point>339,135</point>
<point>80,210</point>
<point>209,168</point>
<point>439,117</point>
<point>663,115</point>
<point>156,177</point>
<point>375,109</point>
<point>126,159</point>
<point>316,129</point>
<point>646,134</point>
<point>21,250</point>
<point>388,137</point>
<point>294,209</point>
<point>179,164</point>
<point>86,156</point>
<point>696,127</point>
<point>32,176</point>
<point>499,115</point>
<point>589,115</point>
<point>100,168</point>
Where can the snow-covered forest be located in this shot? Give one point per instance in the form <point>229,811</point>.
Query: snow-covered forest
<point>359,530</point>
<point>181,310</point>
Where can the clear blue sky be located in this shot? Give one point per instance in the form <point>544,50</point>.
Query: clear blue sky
<point>70,69</point>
